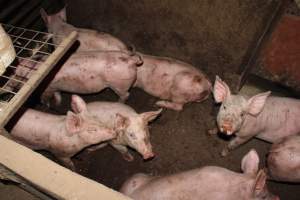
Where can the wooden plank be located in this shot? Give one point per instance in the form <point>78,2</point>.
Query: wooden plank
<point>53,179</point>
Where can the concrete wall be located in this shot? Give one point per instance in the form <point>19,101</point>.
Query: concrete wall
<point>205,33</point>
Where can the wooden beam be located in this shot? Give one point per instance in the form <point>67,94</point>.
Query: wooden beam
<point>53,179</point>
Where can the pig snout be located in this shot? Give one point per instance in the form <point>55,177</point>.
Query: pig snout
<point>226,127</point>
<point>148,155</point>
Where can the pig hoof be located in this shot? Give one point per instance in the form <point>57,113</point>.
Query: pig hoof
<point>213,131</point>
<point>128,157</point>
<point>224,152</point>
<point>169,105</point>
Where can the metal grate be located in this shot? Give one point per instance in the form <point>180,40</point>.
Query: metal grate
<point>36,55</point>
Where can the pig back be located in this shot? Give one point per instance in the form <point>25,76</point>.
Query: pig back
<point>279,118</point>
<point>204,183</point>
<point>89,72</point>
<point>284,160</point>
<point>30,128</point>
<point>106,111</point>
<point>157,74</point>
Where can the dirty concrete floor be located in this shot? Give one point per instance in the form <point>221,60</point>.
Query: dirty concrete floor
<point>215,43</point>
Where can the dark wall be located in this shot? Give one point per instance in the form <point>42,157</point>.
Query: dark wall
<point>26,13</point>
<point>207,33</point>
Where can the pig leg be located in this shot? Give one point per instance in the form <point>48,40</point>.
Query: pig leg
<point>67,162</point>
<point>47,96</point>
<point>124,151</point>
<point>123,94</point>
<point>123,97</point>
<point>237,141</point>
<point>213,131</point>
<point>170,105</point>
<point>57,98</point>
<point>96,147</point>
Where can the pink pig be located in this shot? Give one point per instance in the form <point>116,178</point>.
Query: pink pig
<point>85,73</point>
<point>173,81</point>
<point>132,127</point>
<point>284,160</point>
<point>261,116</point>
<point>63,135</point>
<point>89,39</point>
<point>91,72</point>
<point>213,183</point>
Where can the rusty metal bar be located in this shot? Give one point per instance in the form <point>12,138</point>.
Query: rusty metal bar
<point>246,67</point>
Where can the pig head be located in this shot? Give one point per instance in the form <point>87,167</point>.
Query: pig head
<point>234,108</point>
<point>53,22</point>
<point>134,132</point>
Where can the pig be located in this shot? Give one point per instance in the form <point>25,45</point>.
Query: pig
<point>283,160</point>
<point>210,182</point>
<point>91,72</point>
<point>131,127</point>
<point>173,81</point>
<point>88,39</point>
<point>62,135</point>
<point>263,116</point>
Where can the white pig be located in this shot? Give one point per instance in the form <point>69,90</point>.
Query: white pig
<point>206,183</point>
<point>85,73</point>
<point>62,135</point>
<point>91,72</point>
<point>88,39</point>
<point>284,160</point>
<point>132,127</point>
<point>261,116</point>
<point>173,81</point>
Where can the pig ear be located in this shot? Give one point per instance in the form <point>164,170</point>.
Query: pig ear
<point>149,116</point>
<point>44,16</point>
<point>256,103</point>
<point>122,122</point>
<point>78,105</point>
<point>260,182</point>
<point>62,14</point>
<point>73,123</point>
<point>250,162</point>
<point>221,90</point>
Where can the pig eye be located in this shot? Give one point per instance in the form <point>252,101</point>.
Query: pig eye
<point>224,107</point>
<point>131,135</point>
<point>242,114</point>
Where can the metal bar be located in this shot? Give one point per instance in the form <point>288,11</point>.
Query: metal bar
<point>277,13</point>
<point>35,79</point>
